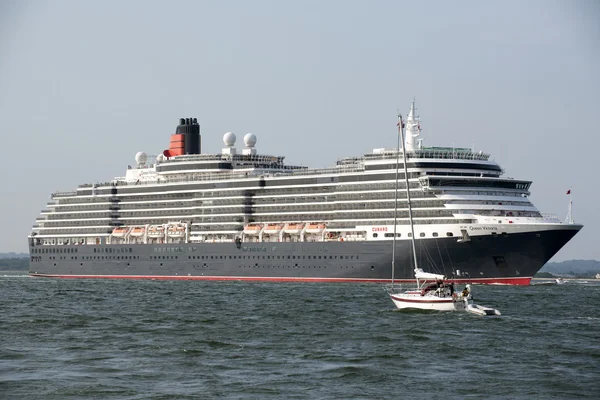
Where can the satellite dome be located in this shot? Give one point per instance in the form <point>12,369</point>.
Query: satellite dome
<point>250,139</point>
<point>229,139</point>
<point>160,158</point>
<point>141,158</point>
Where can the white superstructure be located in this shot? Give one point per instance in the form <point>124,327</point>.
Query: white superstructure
<point>228,196</point>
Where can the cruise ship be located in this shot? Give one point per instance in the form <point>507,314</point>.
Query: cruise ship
<point>242,215</point>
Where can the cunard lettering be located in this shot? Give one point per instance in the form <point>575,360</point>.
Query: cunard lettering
<point>379,229</point>
<point>254,249</point>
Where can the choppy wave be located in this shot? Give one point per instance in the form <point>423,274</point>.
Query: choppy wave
<point>173,340</point>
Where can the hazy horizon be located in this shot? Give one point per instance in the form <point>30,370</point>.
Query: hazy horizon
<point>86,85</point>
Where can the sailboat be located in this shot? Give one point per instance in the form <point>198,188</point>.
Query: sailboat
<point>432,292</point>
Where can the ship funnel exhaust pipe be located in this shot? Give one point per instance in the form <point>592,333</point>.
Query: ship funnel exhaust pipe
<point>190,129</point>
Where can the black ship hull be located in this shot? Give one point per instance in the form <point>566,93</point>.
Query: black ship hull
<point>502,259</point>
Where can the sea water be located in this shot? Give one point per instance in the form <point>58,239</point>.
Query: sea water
<point>139,339</point>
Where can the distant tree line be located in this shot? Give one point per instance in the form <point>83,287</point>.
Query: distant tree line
<point>14,264</point>
<point>14,255</point>
<point>546,275</point>
<point>575,268</point>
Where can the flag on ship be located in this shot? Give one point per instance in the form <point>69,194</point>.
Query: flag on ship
<point>569,191</point>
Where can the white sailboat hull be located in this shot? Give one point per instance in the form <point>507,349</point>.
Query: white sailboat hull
<point>414,300</point>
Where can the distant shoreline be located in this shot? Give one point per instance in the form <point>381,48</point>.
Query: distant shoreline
<point>565,279</point>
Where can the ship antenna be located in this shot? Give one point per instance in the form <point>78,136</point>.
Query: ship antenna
<point>569,219</point>
<point>410,217</point>
<point>399,124</point>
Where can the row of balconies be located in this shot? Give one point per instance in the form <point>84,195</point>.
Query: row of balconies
<point>326,206</point>
<point>300,215</point>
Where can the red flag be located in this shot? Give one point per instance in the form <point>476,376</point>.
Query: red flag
<point>569,191</point>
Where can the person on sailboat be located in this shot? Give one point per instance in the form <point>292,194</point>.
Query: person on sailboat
<point>466,291</point>
<point>437,285</point>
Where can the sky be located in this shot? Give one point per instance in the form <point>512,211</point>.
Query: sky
<point>85,85</point>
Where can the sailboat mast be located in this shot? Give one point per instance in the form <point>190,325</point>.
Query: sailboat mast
<point>400,123</point>
<point>410,218</point>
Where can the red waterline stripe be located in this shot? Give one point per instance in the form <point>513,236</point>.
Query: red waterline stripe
<point>523,281</point>
<point>502,281</point>
<point>423,301</point>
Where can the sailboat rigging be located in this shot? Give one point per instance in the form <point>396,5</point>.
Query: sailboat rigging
<point>441,295</point>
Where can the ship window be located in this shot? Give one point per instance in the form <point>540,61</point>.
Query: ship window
<point>375,235</point>
<point>435,234</point>
<point>449,234</point>
<point>422,234</point>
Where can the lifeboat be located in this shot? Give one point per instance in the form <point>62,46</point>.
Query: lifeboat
<point>293,229</point>
<point>272,229</point>
<point>176,231</point>
<point>315,228</point>
<point>156,231</point>
<point>120,231</point>
<point>252,229</point>
<point>138,231</point>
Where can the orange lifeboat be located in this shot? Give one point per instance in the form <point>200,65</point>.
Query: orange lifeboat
<point>315,228</point>
<point>176,231</point>
<point>252,229</point>
<point>293,228</point>
<point>138,231</point>
<point>156,231</point>
<point>272,229</point>
<point>120,231</point>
